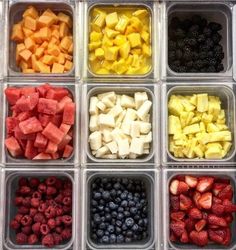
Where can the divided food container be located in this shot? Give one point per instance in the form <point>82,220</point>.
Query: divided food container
<point>159,166</point>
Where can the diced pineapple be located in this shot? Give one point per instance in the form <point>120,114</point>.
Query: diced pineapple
<point>95,36</point>
<point>119,66</point>
<point>119,40</point>
<point>134,39</point>
<point>202,102</point>
<point>174,125</point>
<point>191,129</point>
<point>99,53</point>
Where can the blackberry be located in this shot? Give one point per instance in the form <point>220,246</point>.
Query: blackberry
<point>212,61</point>
<point>203,55</point>
<point>201,38</point>
<point>219,67</point>
<point>189,64</point>
<point>180,44</point>
<point>196,19</point>
<point>199,64</point>
<point>210,54</point>
<point>179,54</point>
<point>171,45</point>
<point>180,33</point>
<point>193,34</point>
<point>219,55</point>
<point>218,48</point>
<point>215,26</point>
<point>203,23</point>
<point>209,43</point>
<point>194,27</point>
<point>216,38</point>
<point>207,32</point>
<point>211,69</point>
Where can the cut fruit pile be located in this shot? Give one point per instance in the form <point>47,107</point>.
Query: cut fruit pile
<point>40,126</point>
<point>201,210</point>
<point>44,211</point>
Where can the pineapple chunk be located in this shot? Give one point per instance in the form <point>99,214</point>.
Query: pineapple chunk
<point>174,125</point>
<point>202,102</point>
<point>191,129</point>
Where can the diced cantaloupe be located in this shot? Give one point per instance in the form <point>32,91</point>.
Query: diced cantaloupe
<point>57,68</point>
<point>30,23</point>
<point>43,68</point>
<point>29,43</point>
<point>17,33</point>
<point>65,18</point>
<point>45,21</point>
<point>25,54</point>
<point>68,65</point>
<point>31,11</point>
<point>39,52</point>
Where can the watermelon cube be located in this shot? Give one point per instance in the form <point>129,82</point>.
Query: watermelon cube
<point>67,151</point>
<point>23,116</point>
<point>11,123</point>
<point>47,106</point>
<point>66,140</point>
<point>12,94</point>
<point>69,114</point>
<point>30,150</point>
<point>26,91</point>
<point>55,156</point>
<point>42,156</point>
<point>57,93</point>
<point>31,125</point>
<point>53,133</point>
<point>26,103</point>
<point>13,146</point>
<point>65,128</point>
<point>44,119</point>
<point>51,148</point>
<point>56,120</point>
<point>42,90</point>
<point>40,141</point>
<point>22,144</point>
<point>19,135</point>
<point>62,103</point>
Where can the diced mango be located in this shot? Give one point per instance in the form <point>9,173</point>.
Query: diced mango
<point>111,33</point>
<point>111,53</point>
<point>124,50</point>
<point>99,53</point>
<point>99,20</point>
<point>140,13</point>
<point>146,50</point>
<point>65,18</point>
<point>122,24</point>
<point>136,23</point>
<point>134,39</point>
<point>119,66</point>
<point>119,40</point>
<point>145,36</point>
<point>43,68</point>
<point>112,20</point>
<point>95,36</point>
<point>57,68</point>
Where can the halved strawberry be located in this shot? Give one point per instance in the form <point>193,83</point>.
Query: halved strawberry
<point>177,227</point>
<point>196,198</point>
<point>204,184</point>
<point>213,236</point>
<point>228,237</point>
<point>174,187</point>
<point>173,237</point>
<point>174,203</point>
<point>216,220</point>
<point>191,181</point>
<point>195,213</point>
<point>222,180</point>
<point>189,224</point>
<point>199,238</point>
<point>178,216</point>
<point>205,200</point>
<point>184,237</point>
<point>226,193</point>
<point>185,202</point>
<point>218,209</point>
<point>182,187</point>
<point>200,225</point>
<point>229,207</point>
<point>217,187</point>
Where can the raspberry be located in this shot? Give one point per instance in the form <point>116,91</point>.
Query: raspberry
<point>58,230</point>
<point>26,230</point>
<point>26,220</point>
<point>42,188</point>
<point>58,184</point>
<point>44,229</point>
<point>18,217</point>
<point>23,182</point>
<point>50,212</point>
<point>24,190</point>
<point>34,182</point>
<point>67,201</point>
<point>57,238</point>
<point>59,198</point>
<point>35,202</point>
<point>51,181</point>
<point>18,200</point>
<point>52,223</point>
<point>14,224</point>
<point>48,240</point>
<point>67,209</point>
<point>67,220</point>
<point>33,212</point>
<point>66,233</point>
<point>23,210</point>
<point>39,217</point>
<point>67,192</point>
<point>26,202</point>
<point>42,207</point>
<point>36,227</point>
<point>58,220</point>
<point>51,190</point>
<point>37,195</point>
<point>21,238</point>
<point>33,239</point>
<point>59,211</point>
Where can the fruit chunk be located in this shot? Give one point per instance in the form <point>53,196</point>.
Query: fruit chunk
<point>53,133</point>
<point>47,106</point>
<point>13,146</point>
<point>31,125</point>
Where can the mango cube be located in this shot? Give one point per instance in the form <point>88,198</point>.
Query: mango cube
<point>112,20</point>
<point>99,53</point>
<point>122,24</point>
<point>111,53</point>
<point>124,50</point>
<point>134,39</point>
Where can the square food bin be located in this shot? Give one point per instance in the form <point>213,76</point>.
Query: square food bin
<point>150,178</point>
<point>13,14</point>
<point>73,159</point>
<point>167,176</point>
<point>9,186</point>
<point>153,93</point>
<point>227,96</point>
<point>213,12</point>
<point>153,9</point>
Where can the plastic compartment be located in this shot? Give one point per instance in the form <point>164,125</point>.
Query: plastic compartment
<point>216,12</point>
<point>90,90</point>
<point>9,160</point>
<point>168,175</point>
<point>149,177</point>
<point>9,210</point>
<point>15,11</point>
<point>154,11</point>
<point>227,97</point>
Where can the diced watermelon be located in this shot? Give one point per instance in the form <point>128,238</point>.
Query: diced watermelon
<point>69,114</point>
<point>62,103</point>
<point>47,106</point>
<point>26,91</point>
<point>42,156</point>
<point>22,143</point>
<point>42,90</point>
<point>40,150</point>
<point>57,93</point>
<point>66,140</point>
<point>19,135</point>
<point>55,156</point>
<point>12,94</point>
<point>56,120</point>
<point>13,146</point>
<point>53,133</point>
<point>11,123</point>
<point>31,125</point>
<point>65,128</point>
<point>27,103</point>
<point>40,141</point>
<point>30,150</point>
<point>67,151</point>
<point>44,119</point>
<point>51,148</point>
<point>70,133</point>
<point>24,115</point>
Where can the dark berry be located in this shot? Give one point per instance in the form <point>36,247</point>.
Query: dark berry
<point>215,26</point>
<point>129,222</point>
<point>105,239</point>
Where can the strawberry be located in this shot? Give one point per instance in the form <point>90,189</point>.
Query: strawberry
<point>174,187</point>
<point>196,198</point>
<point>200,225</point>
<point>185,202</point>
<point>222,180</point>
<point>205,200</point>
<point>173,237</point>
<point>216,200</point>
<point>217,187</point>
<point>199,238</point>
<point>174,203</point>
<point>189,224</point>
<point>227,238</point>
<point>218,209</point>
<point>195,213</point>
<point>205,184</point>
<point>216,220</point>
<point>184,237</point>
<point>229,218</point>
<point>213,236</point>
<point>177,227</point>
<point>178,216</point>
<point>226,193</point>
<point>178,187</point>
<point>182,187</point>
<point>214,227</point>
<point>191,181</point>
<point>229,207</point>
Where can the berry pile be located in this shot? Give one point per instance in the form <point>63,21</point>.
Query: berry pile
<point>44,211</point>
<point>201,210</point>
<point>194,45</point>
<point>119,210</point>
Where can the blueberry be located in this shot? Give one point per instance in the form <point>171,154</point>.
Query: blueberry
<point>97,196</point>
<point>117,186</point>
<point>133,210</point>
<point>129,222</point>
<point>108,186</point>
<point>129,234</point>
<point>104,180</point>
<point>123,196</point>
<point>124,203</point>
<point>135,227</point>
<point>124,227</point>
<point>120,238</point>
<point>120,210</point>
<point>118,230</point>
<point>128,240</point>
<point>126,213</point>
<point>114,214</point>
<point>94,203</point>
<point>102,225</point>
<point>112,205</point>
<point>112,238</point>
<point>113,193</point>
<point>130,196</point>
<point>94,237</point>
<point>141,223</point>
<point>137,217</point>
<point>108,217</point>
<point>111,229</point>
<point>118,200</point>
<point>113,221</point>
<point>100,233</point>
<point>145,220</point>
<point>106,195</point>
<point>107,233</point>
<point>118,223</point>
<point>107,209</point>
<point>102,202</point>
<point>105,239</point>
<point>100,208</point>
<point>120,216</point>
<point>97,219</point>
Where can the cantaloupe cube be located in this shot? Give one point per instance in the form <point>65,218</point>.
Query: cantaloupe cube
<point>17,33</point>
<point>55,33</point>
<point>39,52</point>
<point>57,68</point>
<point>65,18</point>
<point>50,13</point>
<point>70,50</point>
<point>45,21</point>
<point>45,33</point>
<point>44,45</point>
<point>28,71</point>
<point>66,43</point>
<point>25,54</point>
<point>61,58</point>
<point>37,37</point>
<point>29,43</point>
<point>30,23</point>
<point>68,65</point>
<point>34,65</point>
<point>68,57</point>
<point>19,48</point>
<point>43,67</point>
<point>49,60</point>
<point>23,65</point>
<point>31,11</point>
<point>63,30</point>
<point>54,50</point>
<point>27,32</point>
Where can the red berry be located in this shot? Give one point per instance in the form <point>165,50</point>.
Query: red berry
<point>34,182</point>
<point>59,198</point>
<point>35,202</point>
<point>36,227</point>
<point>58,220</point>
<point>26,230</point>
<point>42,188</point>
<point>24,190</point>
<point>44,229</point>
<point>26,220</point>
<point>67,220</point>
<point>39,217</point>
<point>18,217</point>
<point>58,184</point>
<point>67,184</point>
<point>18,200</point>
<point>51,190</point>
<point>23,181</point>
<point>51,181</point>
<point>33,239</point>
<point>66,233</point>
<point>33,212</point>
<point>23,210</point>
<point>67,192</point>
<point>14,224</point>
<point>67,201</point>
<point>42,207</point>
<point>67,209</point>
<point>59,211</point>
<point>48,240</point>
<point>37,195</point>
<point>50,212</point>
<point>52,223</point>
<point>21,238</point>
<point>57,238</point>
<point>26,202</point>
<point>58,230</point>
